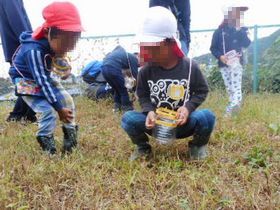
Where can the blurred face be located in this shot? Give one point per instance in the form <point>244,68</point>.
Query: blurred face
<point>154,53</point>
<point>63,41</point>
<point>235,17</point>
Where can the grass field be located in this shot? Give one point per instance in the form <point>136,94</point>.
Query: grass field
<point>242,171</point>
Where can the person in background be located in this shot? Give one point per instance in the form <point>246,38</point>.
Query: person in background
<point>182,11</point>
<point>98,88</point>
<point>228,41</point>
<point>13,21</point>
<point>114,65</point>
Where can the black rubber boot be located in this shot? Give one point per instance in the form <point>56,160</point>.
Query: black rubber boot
<point>143,148</point>
<point>47,144</point>
<point>198,147</point>
<point>70,139</point>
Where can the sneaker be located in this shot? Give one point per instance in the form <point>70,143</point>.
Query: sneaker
<point>198,153</point>
<point>31,119</point>
<point>117,108</point>
<point>232,111</point>
<point>137,154</point>
<point>11,118</point>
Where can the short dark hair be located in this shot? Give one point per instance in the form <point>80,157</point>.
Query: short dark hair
<point>54,32</point>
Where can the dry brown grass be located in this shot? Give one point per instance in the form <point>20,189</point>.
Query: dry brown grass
<point>243,171</point>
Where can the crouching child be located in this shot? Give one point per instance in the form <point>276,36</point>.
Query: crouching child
<point>168,80</point>
<point>31,72</point>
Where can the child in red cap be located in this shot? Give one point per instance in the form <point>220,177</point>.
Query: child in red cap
<point>34,61</point>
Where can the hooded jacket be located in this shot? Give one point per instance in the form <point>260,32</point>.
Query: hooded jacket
<point>233,40</point>
<point>32,61</point>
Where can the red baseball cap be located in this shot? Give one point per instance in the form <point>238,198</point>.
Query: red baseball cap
<point>63,15</point>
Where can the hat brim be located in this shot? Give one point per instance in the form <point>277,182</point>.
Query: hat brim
<point>72,28</point>
<point>154,40</point>
<point>39,32</point>
<point>242,8</point>
<point>150,39</point>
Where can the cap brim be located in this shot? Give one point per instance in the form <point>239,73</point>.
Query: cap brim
<point>149,38</point>
<point>243,8</point>
<point>38,33</point>
<point>73,28</point>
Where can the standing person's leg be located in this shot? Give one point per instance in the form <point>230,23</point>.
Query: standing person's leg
<point>133,124</point>
<point>237,86</point>
<point>115,79</point>
<point>22,111</point>
<point>227,77</point>
<point>200,125</point>
<point>183,19</point>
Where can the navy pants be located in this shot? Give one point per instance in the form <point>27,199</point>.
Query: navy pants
<point>200,124</point>
<point>115,79</point>
<point>22,110</point>
<point>181,9</point>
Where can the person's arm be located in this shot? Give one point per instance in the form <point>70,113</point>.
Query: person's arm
<point>243,37</point>
<point>35,62</point>
<point>17,17</point>
<point>133,64</point>
<point>198,89</point>
<point>214,48</point>
<point>143,93</point>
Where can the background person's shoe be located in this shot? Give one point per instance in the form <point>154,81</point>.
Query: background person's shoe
<point>117,108</point>
<point>12,118</point>
<point>198,153</point>
<point>126,108</point>
<point>31,119</point>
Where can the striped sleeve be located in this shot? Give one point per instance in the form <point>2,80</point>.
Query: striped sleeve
<point>35,62</point>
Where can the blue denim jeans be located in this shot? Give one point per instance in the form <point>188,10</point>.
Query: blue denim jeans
<point>47,114</point>
<point>200,124</point>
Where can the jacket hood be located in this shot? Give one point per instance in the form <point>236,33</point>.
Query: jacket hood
<point>26,38</point>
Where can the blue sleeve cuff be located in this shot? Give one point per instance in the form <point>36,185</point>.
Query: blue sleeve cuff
<point>57,106</point>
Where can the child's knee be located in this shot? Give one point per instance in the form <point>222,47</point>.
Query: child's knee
<point>205,118</point>
<point>127,120</point>
<point>49,115</point>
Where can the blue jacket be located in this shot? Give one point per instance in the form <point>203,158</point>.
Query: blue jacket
<point>234,40</point>
<point>13,21</point>
<point>118,60</point>
<point>33,60</point>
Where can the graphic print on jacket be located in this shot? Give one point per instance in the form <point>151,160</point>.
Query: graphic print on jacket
<point>168,93</point>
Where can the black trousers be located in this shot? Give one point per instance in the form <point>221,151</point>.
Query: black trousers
<point>183,12</point>
<point>22,110</point>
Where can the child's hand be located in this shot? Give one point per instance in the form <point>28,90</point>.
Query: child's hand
<point>223,59</point>
<point>65,115</point>
<point>182,115</point>
<point>150,120</point>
